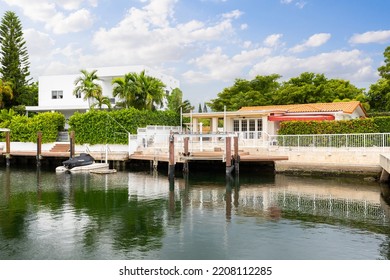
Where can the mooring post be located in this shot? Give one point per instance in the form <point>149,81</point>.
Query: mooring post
<point>236,156</point>
<point>186,154</point>
<point>171,168</point>
<point>7,148</point>
<point>228,155</point>
<point>39,148</point>
<point>71,145</point>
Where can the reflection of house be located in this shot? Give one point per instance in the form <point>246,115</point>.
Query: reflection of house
<point>56,92</point>
<point>251,122</point>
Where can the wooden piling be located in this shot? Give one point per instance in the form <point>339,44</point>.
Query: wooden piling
<point>39,148</point>
<point>171,168</point>
<point>236,156</point>
<point>186,154</point>
<point>71,144</point>
<point>228,159</point>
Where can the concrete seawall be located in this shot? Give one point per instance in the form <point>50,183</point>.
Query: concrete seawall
<point>362,162</point>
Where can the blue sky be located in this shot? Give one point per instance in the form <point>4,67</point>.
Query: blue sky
<point>207,44</point>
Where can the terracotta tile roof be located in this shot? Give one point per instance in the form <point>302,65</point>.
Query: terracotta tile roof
<point>346,107</point>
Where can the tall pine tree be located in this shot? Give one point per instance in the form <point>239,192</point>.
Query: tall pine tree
<point>14,60</point>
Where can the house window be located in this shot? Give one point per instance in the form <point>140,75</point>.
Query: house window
<point>259,125</point>
<point>78,94</point>
<point>252,128</point>
<point>236,125</point>
<point>57,94</point>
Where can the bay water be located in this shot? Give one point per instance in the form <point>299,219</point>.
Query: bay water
<point>202,216</point>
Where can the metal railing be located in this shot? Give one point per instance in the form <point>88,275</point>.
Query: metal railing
<point>350,142</point>
<point>199,142</point>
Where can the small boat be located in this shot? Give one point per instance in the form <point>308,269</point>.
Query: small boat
<point>82,163</point>
<point>81,160</point>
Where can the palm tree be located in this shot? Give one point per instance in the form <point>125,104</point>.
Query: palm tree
<point>5,90</point>
<point>86,85</point>
<point>100,101</point>
<point>152,90</point>
<point>124,88</point>
<point>139,91</point>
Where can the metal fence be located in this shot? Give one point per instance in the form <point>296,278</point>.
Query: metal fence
<point>350,142</point>
<point>379,141</point>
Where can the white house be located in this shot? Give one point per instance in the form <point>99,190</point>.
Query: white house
<point>56,92</point>
<point>252,122</point>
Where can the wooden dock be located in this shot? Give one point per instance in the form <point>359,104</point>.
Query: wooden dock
<point>230,154</point>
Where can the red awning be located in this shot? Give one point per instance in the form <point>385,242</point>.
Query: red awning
<point>301,118</point>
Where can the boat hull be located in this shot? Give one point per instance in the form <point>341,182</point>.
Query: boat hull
<point>84,168</point>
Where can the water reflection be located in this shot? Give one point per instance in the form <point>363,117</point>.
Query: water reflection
<point>140,215</point>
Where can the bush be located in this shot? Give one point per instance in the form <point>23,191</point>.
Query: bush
<point>25,129</point>
<point>383,123</point>
<point>109,127</point>
<point>367,125</point>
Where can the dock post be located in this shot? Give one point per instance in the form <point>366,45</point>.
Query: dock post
<point>171,168</point>
<point>7,148</point>
<point>228,159</point>
<point>71,150</point>
<point>236,156</point>
<point>39,148</point>
<point>186,154</point>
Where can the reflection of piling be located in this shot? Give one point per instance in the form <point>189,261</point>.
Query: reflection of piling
<point>7,148</point>
<point>228,197</point>
<point>39,148</point>
<point>171,168</point>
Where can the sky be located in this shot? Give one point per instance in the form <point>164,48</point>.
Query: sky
<point>207,44</point>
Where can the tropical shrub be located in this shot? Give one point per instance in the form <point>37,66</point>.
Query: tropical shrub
<point>25,129</point>
<point>109,127</point>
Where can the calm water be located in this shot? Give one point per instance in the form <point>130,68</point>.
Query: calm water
<point>141,215</point>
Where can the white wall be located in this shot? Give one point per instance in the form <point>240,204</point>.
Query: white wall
<point>62,82</point>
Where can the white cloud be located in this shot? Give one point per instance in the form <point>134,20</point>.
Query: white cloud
<point>71,19</point>
<point>74,22</point>
<point>273,40</point>
<point>299,4</point>
<point>349,65</point>
<point>215,65</point>
<point>382,36</point>
<point>315,40</point>
<point>38,43</point>
<point>150,35</point>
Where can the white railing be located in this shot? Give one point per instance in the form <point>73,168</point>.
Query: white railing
<point>201,142</point>
<point>350,142</point>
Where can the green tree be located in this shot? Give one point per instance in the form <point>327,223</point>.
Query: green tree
<point>200,108</point>
<point>152,90</point>
<point>379,93</point>
<point>315,88</point>
<point>124,88</point>
<point>140,91</point>
<point>175,102</point>
<point>101,100</point>
<point>14,58</point>
<point>258,91</point>
<point>87,85</point>
<point>5,91</point>
<point>30,95</point>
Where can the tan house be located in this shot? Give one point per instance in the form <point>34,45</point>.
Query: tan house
<point>252,122</point>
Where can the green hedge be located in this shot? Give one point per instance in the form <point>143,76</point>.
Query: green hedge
<point>25,129</point>
<point>367,125</point>
<point>110,127</point>
<point>383,123</point>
